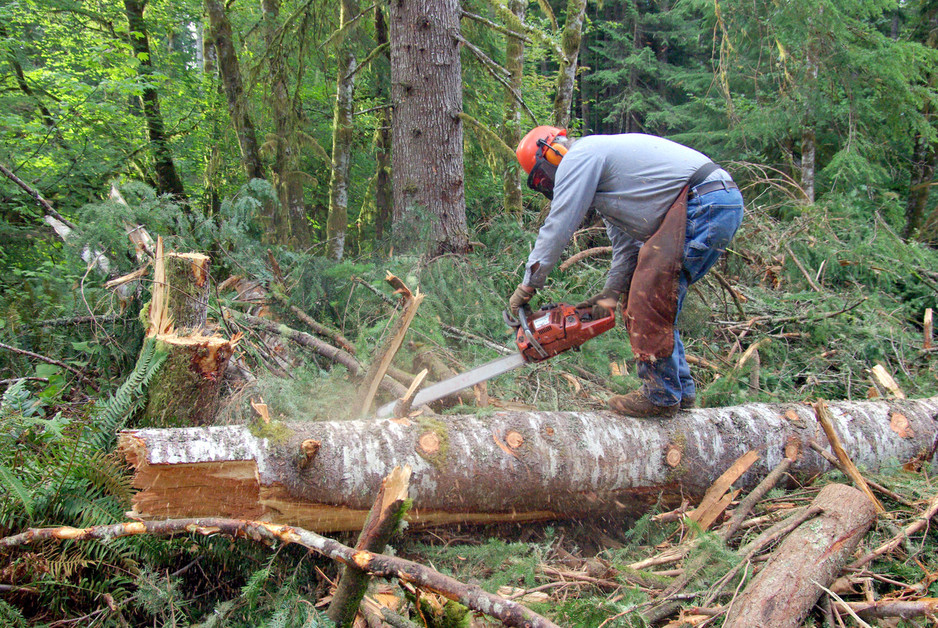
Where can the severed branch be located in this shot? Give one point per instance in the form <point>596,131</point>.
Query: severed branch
<point>315,325</point>
<point>824,418</point>
<point>836,464</point>
<point>311,342</point>
<point>801,267</point>
<point>919,523</point>
<point>382,521</point>
<point>742,511</point>
<point>508,612</point>
<point>380,365</point>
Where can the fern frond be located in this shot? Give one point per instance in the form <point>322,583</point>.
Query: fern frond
<point>129,398</point>
<point>15,487</point>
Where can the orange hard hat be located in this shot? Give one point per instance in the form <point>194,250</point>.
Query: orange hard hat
<point>531,143</point>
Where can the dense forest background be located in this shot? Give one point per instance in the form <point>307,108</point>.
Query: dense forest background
<point>263,135</point>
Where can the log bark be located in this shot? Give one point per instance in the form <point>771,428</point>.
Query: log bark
<point>509,466</point>
<point>789,584</point>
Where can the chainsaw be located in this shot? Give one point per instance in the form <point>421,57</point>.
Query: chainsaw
<point>540,335</point>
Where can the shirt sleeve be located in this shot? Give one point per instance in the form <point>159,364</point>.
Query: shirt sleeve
<point>624,258</point>
<point>577,179</point>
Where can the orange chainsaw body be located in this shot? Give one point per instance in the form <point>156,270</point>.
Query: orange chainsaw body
<point>557,328</point>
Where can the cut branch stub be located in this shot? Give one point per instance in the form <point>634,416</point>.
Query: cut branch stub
<point>672,455</point>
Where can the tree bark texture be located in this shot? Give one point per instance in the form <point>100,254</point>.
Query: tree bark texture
<point>384,192</point>
<point>187,275</point>
<point>230,72</point>
<point>167,179</point>
<point>811,557</point>
<point>290,224</point>
<point>566,75</point>
<point>185,390</point>
<point>342,135</point>
<point>509,466</point>
<point>514,63</point>
<point>427,133</point>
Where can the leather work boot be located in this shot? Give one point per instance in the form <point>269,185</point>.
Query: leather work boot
<point>688,402</point>
<point>636,404</point>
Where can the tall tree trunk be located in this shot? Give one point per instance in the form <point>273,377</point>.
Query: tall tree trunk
<point>383,187</point>
<point>427,133</point>
<point>230,71</point>
<point>290,225</point>
<point>808,151</point>
<point>510,466</point>
<point>924,153</point>
<point>167,179</point>
<point>566,75</point>
<point>342,133</point>
<point>514,63</point>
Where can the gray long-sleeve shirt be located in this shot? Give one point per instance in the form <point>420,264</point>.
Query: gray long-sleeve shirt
<point>631,180</point>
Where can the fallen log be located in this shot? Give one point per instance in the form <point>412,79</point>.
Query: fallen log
<point>508,466</point>
<point>809,559</point>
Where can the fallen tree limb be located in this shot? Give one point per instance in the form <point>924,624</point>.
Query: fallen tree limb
<point>507,466</point>
<point>811,557</point>
<point>29,354</point>
<point>884,609</point>
<point>472,596</point>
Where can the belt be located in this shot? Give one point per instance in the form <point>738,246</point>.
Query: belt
<point>711,186</point>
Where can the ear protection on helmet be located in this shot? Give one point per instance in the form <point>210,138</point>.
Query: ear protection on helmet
<point>553,152</point>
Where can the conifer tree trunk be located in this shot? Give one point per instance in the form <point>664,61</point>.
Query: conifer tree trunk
<point>514,63</point>
<point>167,179</point>
<point>566,75</point>
<point>230,72</point>
<point>337,222</point>
<point>427,133</point>
<point>290,225</point>
<point>383,188</point>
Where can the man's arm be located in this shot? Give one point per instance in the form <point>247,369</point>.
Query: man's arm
<point>577,179</point>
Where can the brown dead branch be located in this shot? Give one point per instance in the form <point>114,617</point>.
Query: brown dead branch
<point>381,523</point>
<point>411,302</point>
<point>890,545</point>
<point>508,612</point>
<point>311,342</point>
<point>573,259</point>
<point>745,507</point>
<point>55,362</point>
<point>836,464</point>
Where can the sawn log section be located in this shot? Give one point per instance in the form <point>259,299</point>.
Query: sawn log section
<point>510,466</point>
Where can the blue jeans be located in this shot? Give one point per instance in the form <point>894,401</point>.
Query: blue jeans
<point>712,221</point>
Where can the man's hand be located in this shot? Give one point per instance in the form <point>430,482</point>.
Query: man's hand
<point>521,296</point>
<point>602,303</point>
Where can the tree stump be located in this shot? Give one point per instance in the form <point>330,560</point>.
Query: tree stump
<point>187,279</point>
<point>812,556</point>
